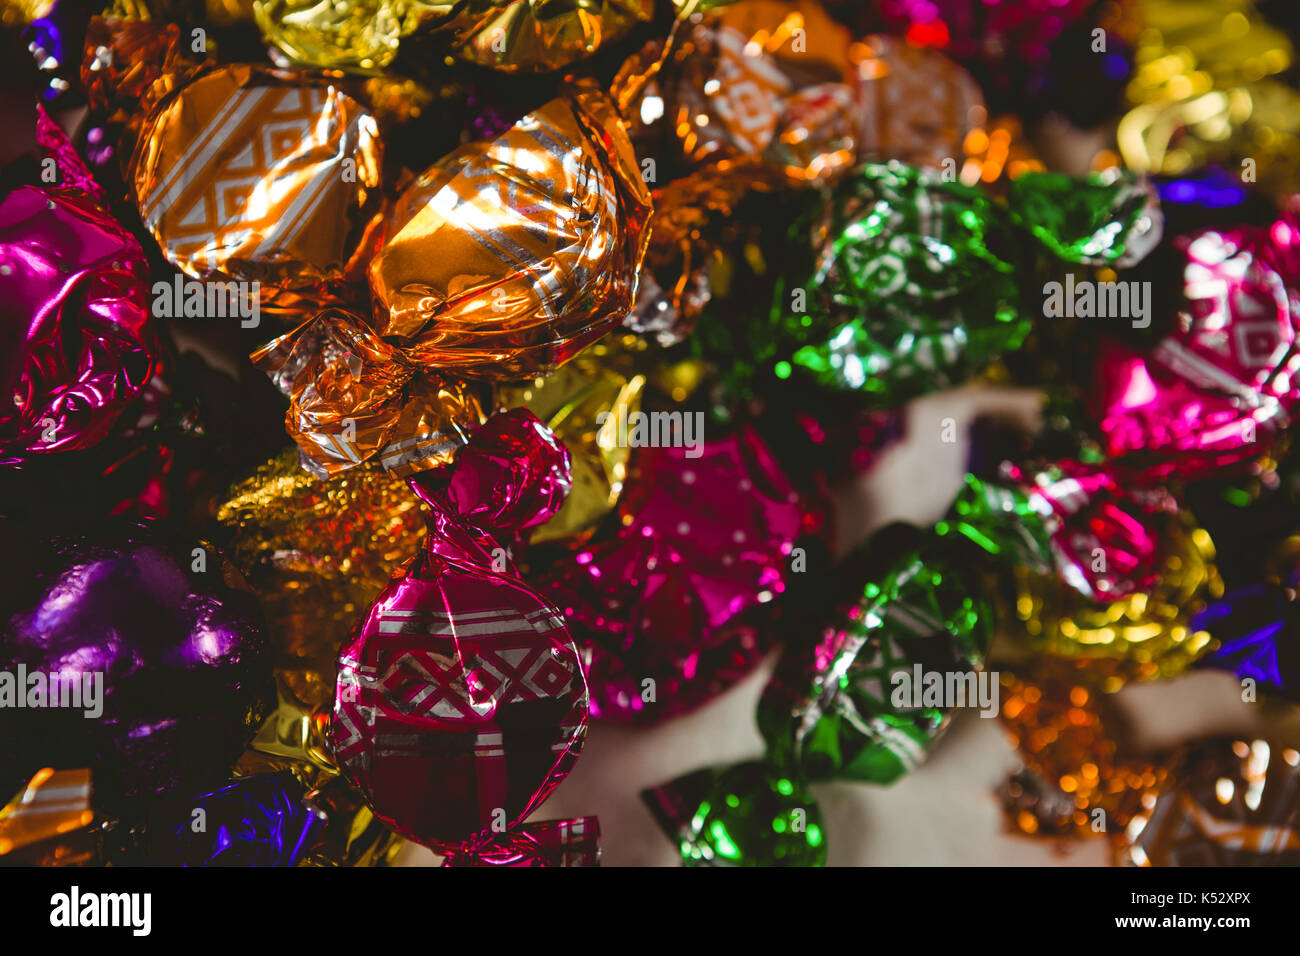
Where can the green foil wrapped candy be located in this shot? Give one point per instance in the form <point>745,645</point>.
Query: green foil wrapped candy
<point>1103,219</point>
<point>745,815</point>
<point>909,289</point>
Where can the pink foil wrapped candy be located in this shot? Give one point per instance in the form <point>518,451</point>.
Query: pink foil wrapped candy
<point>1222,385</point>
<point>1105,535</point>
<point>76,337</point>
<point>460,701</point>
<point>707,536</point>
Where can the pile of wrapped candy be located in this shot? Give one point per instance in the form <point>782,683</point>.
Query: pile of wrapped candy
<point>399,386</point>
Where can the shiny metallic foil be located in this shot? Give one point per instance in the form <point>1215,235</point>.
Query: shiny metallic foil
<point>602,380</point>
<point>362,34</point>
<point>1207,88</point>
<point>248,174</point>
<point>1147,634</point>
<point>518,36</point>
<point>1225,803</point>
<point>507,258</point>
<point>352,398</point>
<point>316,552</point>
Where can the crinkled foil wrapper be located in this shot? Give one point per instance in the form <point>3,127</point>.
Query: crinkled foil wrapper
<point>361,34</point>
<point>603,380</point>
<point>528,36</point>
<point>507,258</point>
<point>1144,635</point>
<point>352,398</point>
<point>248,174</point>
<point>317,553</point>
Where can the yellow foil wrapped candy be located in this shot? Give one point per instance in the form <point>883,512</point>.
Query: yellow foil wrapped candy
<point>600,381</point>
<point>506,258</point>
<point>1143,636</point>
<point>1204,90</point>
<point>343,34</point>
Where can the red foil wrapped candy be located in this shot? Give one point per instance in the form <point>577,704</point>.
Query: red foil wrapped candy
<point>460,702</point>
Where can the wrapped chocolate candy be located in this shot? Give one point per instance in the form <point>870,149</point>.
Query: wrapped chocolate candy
<point>521,36</point>
<point>547,843</point>
<point>664,606</point>
<point>866,700</point>
<point>152,650</point>
<point>317,552</point>
<point>917,281</point>
<point>762,86</point>
<point>1220,385</point>
<point>251,175</point>
<point>460,701</point>
<point>362,35</point>
<point>583,403</point>
<point>45,823</point>
<point>1224,803</point>
<point>353,398</point>
<point>506,258</point>
<point>78,341</point>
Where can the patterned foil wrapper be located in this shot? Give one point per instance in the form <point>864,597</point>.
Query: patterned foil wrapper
<point>317,553</point>
<point>914,104</point>
<point>1147,634</point>
<point>760,84</point>
<point>251,175</point>
<point>76,335</point>
<point>461,702</point>
<point>529,36</point>
<point>1105,534</point>
<point>362,34</point>
<point>601,381</point>
<point>859,703</point>
<point>1224,803</point>
<point>1208,88</point>
<point>353,398</point>
<point>506,258</point>
<point>1218,387</point>
<point>908,288</point>
<point>664,607</point>
<point>544,844</point>
<point>1076,780</point>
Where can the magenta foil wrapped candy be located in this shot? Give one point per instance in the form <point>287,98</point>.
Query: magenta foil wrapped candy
<point>1222,385</point>
<point>460,702</point>
<point>666,607</point>
<point>76,337</point>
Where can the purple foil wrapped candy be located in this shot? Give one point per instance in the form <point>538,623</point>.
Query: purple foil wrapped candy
<point>153,650</point>
<point>76,337</point>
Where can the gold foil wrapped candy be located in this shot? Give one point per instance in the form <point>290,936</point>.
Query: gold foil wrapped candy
<point>362,34</point>
<point>507,258</point>
<point>760,83</point>
<point>316,552</point>
<point>248,174</point>
<point>1142,636</point>
<point>354,398</point>
<point>535,35</point>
